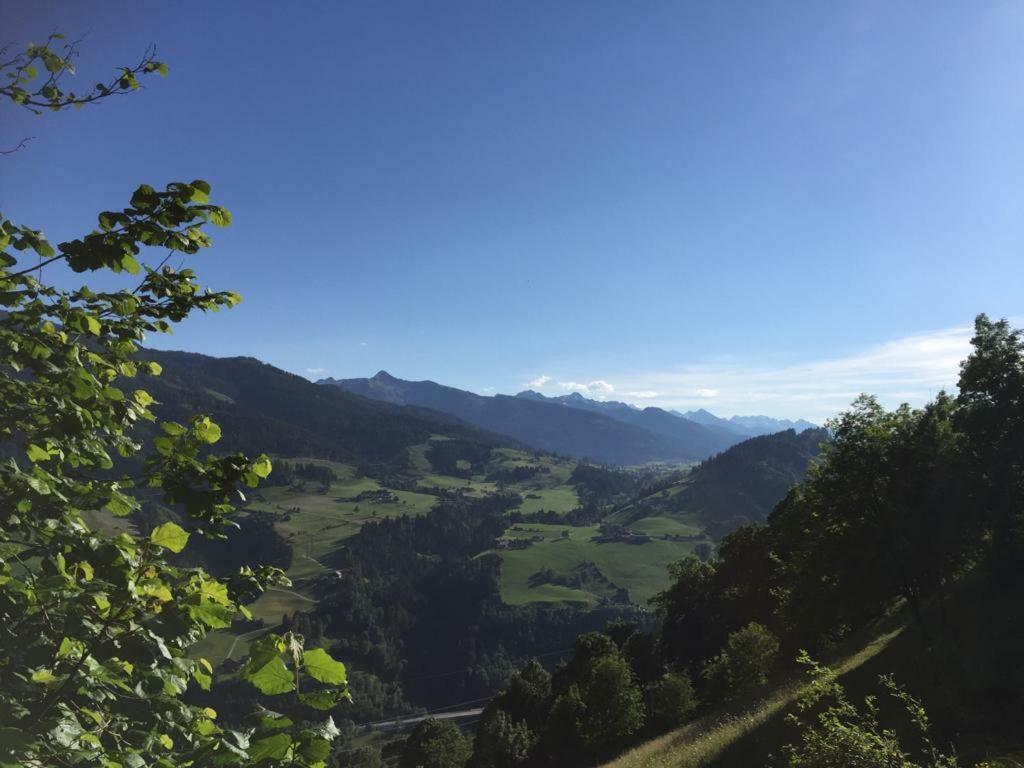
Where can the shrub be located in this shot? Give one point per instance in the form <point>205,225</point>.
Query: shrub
<point>672,700</point>
<point>843,735</point>
<point>745,662</point>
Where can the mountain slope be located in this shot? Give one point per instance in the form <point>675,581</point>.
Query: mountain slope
<point>258,405</point>
<point>708,438</point>
<point>736,487</point>
<point>548,426</point>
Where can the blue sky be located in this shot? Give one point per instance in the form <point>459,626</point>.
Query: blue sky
<point>754,207</point>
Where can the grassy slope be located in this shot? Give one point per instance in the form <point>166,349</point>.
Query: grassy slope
<point>640,568</point>
<point>744,737</point>
<point>960,628</point>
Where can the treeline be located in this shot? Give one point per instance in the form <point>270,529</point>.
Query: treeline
<point>458,457</point>
<point>599,486</point>
<point>289,472</point>
<point>912,507</point>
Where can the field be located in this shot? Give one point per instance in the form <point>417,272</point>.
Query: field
<point>640,568</point>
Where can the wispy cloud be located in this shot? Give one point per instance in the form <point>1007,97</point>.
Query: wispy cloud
<point>910,369</point>
<point>598,388</point>
<point>643,394</point>
<point>316,371</point>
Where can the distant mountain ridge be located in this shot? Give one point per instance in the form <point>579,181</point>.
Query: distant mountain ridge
<point>604,432</point>
<point>257,404</point>
<point>748,426</point>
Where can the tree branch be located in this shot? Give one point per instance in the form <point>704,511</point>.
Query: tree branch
<point>21,145</point>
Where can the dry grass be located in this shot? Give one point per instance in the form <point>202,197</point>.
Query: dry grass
<point>701,742</point>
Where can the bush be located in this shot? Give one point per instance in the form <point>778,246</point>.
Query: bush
<point>745,662</point>
<point>843,735</point>
<point>672,700</point>
<point>435,744</point>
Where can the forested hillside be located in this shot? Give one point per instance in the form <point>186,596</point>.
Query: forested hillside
<point>738,486</point>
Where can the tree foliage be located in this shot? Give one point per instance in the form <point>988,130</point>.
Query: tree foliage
<point>96,630</point>
<point>746,660</point>
<point>672,700</point>
<point>435,744</point>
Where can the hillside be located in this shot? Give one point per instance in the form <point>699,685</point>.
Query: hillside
<point>549,426</point>
<point>708,438</point>
<point>736,487</point>
<point>257,404</point>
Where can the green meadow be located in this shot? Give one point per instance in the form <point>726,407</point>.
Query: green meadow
<point>640,568</point>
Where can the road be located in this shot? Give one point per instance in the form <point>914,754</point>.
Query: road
<point>403,722</point>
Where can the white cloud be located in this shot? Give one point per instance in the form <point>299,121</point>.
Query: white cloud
<point>539,382</point>
<point>643,394</point>
<point>316,371</point>
<point>909,369</point>
<point>599,388</point>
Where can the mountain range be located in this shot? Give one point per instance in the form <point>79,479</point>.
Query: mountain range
<point>572,425</point>
<point>256,404</point>
<point>747,426</point>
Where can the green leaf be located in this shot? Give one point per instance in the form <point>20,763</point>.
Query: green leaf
<point>262,466</point>
<point>316,750</point>
<point>120,505</point>
<point>130,265</point>
<point>215,591</point>
<point>206,430</point>
<point>271,748</point>
<point>102,603</point>
<point>143,398</point>
<point>200,195</point>
<point>212,615</point>
<point>35,453</point>
<point>202,678</point>
<point>145,198</point>
<point>165,740</point>
<point>42,676</point>
<point>220,217</point>
<point>320,666</point>
<point>171,536</point>
<point>322,700</point>
<point>272,677</point>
